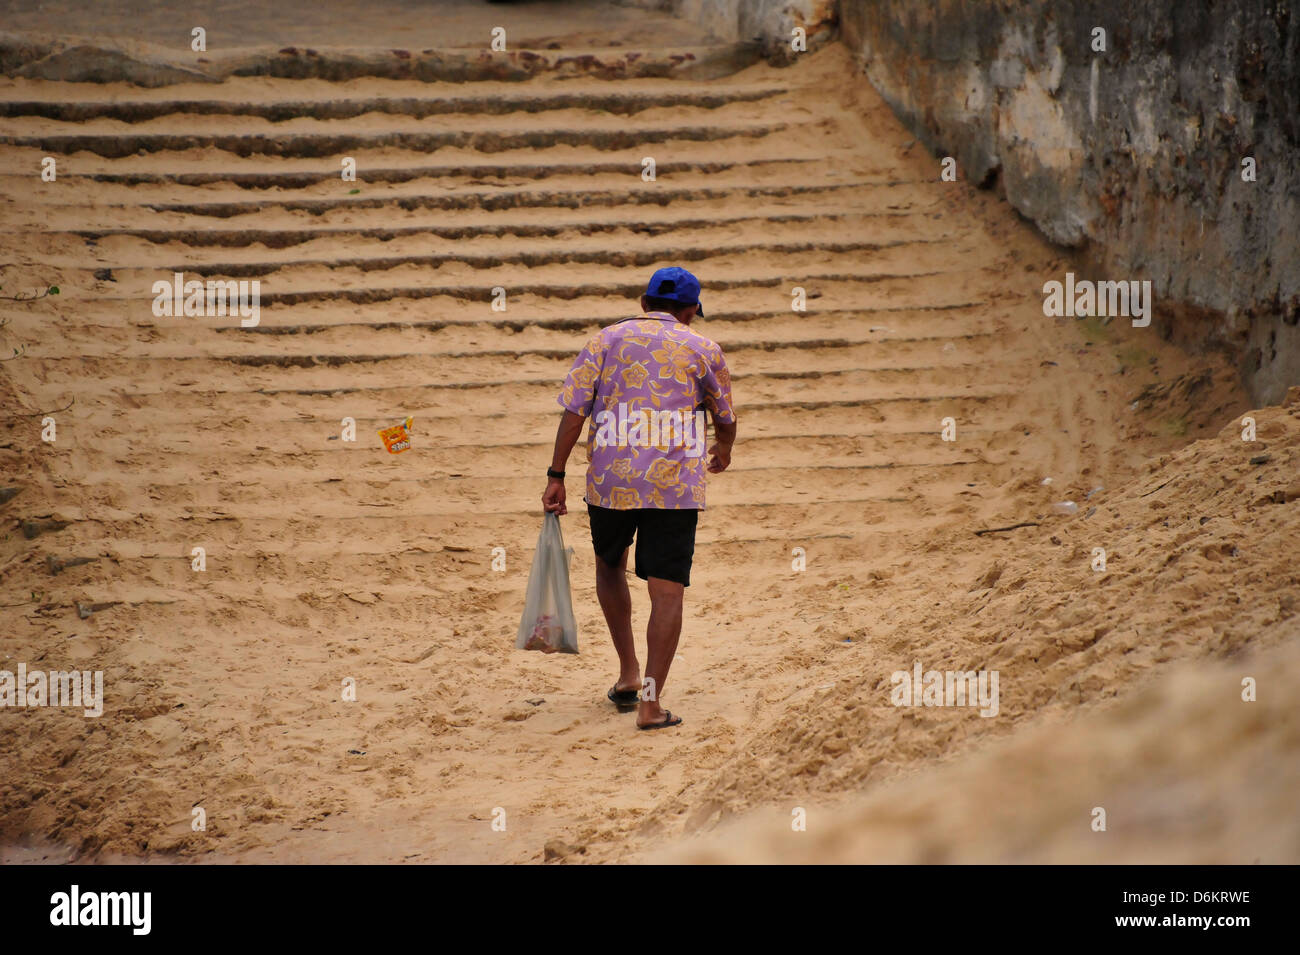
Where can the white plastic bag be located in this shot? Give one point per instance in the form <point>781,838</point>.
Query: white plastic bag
<point>548,624</point>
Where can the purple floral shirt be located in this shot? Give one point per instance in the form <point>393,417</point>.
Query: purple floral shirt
<point>645,383</point>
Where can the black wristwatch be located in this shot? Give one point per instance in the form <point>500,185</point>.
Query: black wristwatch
<point>552,473</point>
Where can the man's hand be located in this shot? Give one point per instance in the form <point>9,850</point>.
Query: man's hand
<point>720,453</point>
<point>719,457</point>
<point>553,497</point>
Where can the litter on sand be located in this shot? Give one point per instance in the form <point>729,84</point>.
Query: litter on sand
<point>397,438</point>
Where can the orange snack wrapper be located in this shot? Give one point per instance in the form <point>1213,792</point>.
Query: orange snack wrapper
<point>397,438</point>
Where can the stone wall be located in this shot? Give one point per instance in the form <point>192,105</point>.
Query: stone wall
<point>1132,155</point>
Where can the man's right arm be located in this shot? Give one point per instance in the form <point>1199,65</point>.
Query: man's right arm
<point>717,397</point>
<point>720,454</point>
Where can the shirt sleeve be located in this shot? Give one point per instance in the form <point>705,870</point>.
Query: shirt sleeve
<point>579,391</point>
<point>716,383</point>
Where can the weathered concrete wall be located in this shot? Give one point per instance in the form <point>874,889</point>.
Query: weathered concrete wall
<point>1132,155</point>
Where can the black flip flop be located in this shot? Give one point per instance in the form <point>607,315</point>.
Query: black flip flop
<point>669,720</point>
<point>623,697</point>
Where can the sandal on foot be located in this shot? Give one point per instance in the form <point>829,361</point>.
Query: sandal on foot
<point>668,720</point>
<point>623,697</point>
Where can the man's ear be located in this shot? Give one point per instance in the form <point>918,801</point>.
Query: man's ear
<point>687,314</point>
<point>644,307</point>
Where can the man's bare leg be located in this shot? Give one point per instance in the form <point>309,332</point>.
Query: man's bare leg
<point>616,602</point>
<point>661,643</point>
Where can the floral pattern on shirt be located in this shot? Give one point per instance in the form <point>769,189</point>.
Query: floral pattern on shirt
<point>645,379</point>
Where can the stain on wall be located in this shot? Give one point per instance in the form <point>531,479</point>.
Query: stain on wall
<point>1132,154</point>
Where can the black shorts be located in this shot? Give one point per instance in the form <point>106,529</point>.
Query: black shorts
<point>665,539</point>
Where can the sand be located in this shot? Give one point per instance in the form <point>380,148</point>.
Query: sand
<point>330,561</point>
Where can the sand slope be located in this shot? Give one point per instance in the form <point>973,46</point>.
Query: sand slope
<point>1201,571</point>
<point>330,561</point>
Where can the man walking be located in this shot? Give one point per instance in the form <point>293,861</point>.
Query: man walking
<point>645,383</point>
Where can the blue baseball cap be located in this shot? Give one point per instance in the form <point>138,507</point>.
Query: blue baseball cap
<point>676,285</point>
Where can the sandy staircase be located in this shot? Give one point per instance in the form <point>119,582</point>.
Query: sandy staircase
<point>329,559</point>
